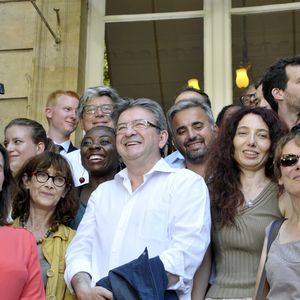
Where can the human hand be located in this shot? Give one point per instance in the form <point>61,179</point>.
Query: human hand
<point>95,293</point>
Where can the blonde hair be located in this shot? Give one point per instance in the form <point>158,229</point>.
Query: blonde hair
<point>291,136</point>
<point>51,100</point>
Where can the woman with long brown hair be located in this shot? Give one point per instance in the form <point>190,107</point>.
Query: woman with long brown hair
<point>244,198</point>
<point>45,203</point>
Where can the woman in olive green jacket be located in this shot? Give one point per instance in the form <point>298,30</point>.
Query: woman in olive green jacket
<point>44,204</point>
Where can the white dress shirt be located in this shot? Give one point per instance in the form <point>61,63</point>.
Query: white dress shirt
<point>175,160</point>
<point>78,171</point>
<point>65,145</point>
<point>169,214</point>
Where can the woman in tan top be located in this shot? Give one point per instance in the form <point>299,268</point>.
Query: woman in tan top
<point>283,259</point>
<point>244,199</point>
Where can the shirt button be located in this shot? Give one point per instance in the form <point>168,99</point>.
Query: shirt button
<point>51,297</point>
<point>50,273</point>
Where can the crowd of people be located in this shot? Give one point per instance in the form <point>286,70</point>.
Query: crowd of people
<point>154,205</point>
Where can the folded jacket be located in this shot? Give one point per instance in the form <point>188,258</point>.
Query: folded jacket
<point>140,279</point>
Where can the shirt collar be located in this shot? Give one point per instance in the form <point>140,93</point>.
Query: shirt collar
<point>160,166</point>
<point>65,145</point>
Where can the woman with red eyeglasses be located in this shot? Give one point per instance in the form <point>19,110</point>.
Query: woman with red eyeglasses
<point>282,261</point>
<point>45,203</point>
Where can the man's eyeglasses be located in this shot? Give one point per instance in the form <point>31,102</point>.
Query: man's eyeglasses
<point>250,100</point>
<point>135,124</point>
<point>42,177</point>
<point>288,160</point>
<point>93,109</point>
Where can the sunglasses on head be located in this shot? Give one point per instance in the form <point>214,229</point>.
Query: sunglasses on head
<point>288,160</point>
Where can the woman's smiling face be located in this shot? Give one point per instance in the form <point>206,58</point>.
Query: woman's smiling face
<point>98,150</point>
<point>252,142</point>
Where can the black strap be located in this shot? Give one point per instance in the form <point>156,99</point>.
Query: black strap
<point>274,229</point>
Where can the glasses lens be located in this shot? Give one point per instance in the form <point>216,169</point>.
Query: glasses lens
<point>139,124</point>
<point>244,100</point>
<point>289,160</point>
<point>42,177</point>
<point>106,108</point>
<point>59,180</point>
<point>90,109</point>
<point>122,127</point>
<point>249,100</point>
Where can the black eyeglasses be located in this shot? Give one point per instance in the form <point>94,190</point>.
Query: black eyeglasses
<point>288,160</point>
<point>42,177</point>
<point>250,100</point>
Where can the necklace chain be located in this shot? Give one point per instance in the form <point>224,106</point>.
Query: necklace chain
<point>45,236</point>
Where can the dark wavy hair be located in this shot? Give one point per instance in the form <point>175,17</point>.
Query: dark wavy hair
<point>223,174</point>
<point>67,206</point>
<point>7,186</point>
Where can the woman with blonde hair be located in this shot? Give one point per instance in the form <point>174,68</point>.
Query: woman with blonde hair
<point>283,259</point>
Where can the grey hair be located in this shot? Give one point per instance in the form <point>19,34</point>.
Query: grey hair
<point>97,91</point>
<point>189,103</point>
<point>145,103</point>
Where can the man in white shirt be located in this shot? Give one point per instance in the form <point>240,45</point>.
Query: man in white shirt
<point>148,204</point>
<point>95,108</point>
<point>61,113</point>
<point>192,126</point>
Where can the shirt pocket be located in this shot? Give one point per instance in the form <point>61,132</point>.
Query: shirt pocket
<point>154,225</point>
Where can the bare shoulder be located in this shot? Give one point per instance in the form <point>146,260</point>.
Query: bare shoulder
<point>285,205</point>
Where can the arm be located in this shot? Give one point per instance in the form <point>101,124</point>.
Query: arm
<point>201,277</point>
<point>79,252</point>
<point>34,288</point>
<point>172,279</point>
<point>81,283</point>
<point>260,271</point>
<point>189,227</point>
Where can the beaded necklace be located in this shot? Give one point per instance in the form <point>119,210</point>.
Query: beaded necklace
<point>40,240</point>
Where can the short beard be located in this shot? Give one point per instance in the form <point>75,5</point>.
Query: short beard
<point>196,157</point>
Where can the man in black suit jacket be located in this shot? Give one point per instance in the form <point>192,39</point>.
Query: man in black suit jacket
<point>62,116</point>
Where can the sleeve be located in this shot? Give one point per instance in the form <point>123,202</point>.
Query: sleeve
<point>190,229</point>
<point>79,252</point>
<point>34,287</point>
